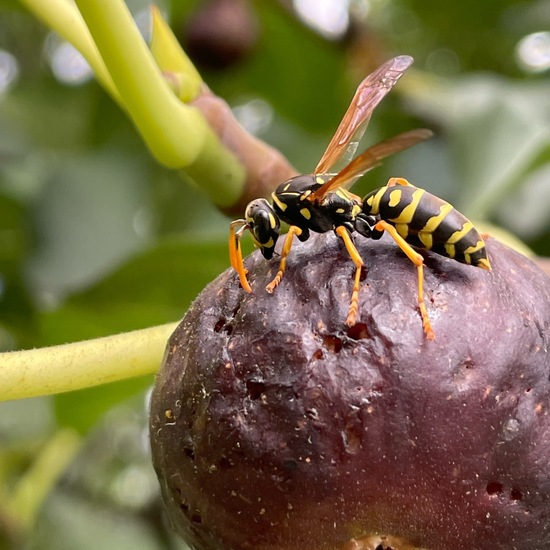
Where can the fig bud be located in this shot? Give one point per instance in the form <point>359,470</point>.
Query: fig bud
<point>221,33</point>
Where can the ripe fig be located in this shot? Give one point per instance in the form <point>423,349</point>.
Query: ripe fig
<point>275,426</point>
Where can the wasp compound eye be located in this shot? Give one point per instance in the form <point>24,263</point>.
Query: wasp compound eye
<point>274,425</point>
<point>264,225</point>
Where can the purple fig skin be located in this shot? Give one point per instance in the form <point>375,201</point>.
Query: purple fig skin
<point>275,426</point>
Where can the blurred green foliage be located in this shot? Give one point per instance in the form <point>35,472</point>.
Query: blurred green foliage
<point>95,238</point>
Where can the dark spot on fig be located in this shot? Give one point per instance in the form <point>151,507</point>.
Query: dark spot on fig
<point>494,488</point>
<point>196,517</point>
<point>358,331</point>
<point>332,343</point>
<point>223,326</point>
<point>352,436</point>
<point>189,452</point>
<point>515,494</point>
<point>317,354</point>
<point>219,324</point>
<point>290,465</point>
<point>184,508</point>
<point>255,389</point>
<point>224,463</point>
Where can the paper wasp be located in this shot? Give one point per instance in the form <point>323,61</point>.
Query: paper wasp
<point>320,202</point>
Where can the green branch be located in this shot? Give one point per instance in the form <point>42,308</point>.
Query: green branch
<point>177,134</point>
<point>174,132</point>
<point>62,17</point>
<point>24,501</point>
<point>79,365</point>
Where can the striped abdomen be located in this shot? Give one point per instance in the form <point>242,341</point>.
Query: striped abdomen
<point>428,222</point>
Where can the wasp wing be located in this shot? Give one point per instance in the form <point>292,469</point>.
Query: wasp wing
<point>369,94</point>
<point>370,158</point>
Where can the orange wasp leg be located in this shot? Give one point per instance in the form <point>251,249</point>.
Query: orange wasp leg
<point>357,260</point>
<point>417,260</point>
<point>292,230</point>
<point>235,252</point>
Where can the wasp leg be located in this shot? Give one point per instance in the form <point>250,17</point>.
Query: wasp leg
<point>342,232</point>
<point>417,260</point>
<point>292,230</point>
<point>235,252</point>
<point>398,181</point>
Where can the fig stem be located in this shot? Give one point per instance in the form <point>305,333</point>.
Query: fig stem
<point>78,365</point>
<point>64,18</point>
<point>23,503</point>
<point>177,134</point>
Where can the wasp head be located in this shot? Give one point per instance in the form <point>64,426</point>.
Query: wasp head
<point>264,225</point>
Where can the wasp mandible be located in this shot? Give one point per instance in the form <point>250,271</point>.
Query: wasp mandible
<point>321,202</point>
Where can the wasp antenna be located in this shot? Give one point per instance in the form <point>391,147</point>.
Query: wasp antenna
<point>235,252</point>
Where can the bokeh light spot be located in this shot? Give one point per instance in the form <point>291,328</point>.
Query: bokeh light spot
<point>9,71</point>
<point>67,64</point>
<point>330,18</point>
<point>533,52</point>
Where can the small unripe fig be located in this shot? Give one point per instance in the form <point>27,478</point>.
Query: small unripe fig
<point>274,426</point>
<point>221,33</point>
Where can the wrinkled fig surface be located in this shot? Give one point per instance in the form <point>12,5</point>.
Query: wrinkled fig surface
<point>273,426</point>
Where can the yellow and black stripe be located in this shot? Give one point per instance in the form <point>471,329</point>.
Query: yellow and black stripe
<point>428,222</point>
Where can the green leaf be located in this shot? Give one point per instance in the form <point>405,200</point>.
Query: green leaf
<point>16,308</point>
<point>152,288</point>
<point>498,132</point>
<point>82,409</point>
<point>297,71</point>
<point>497,139</point>
<point>71,521</point>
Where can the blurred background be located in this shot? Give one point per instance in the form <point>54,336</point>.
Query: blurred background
<point>96,238</point>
